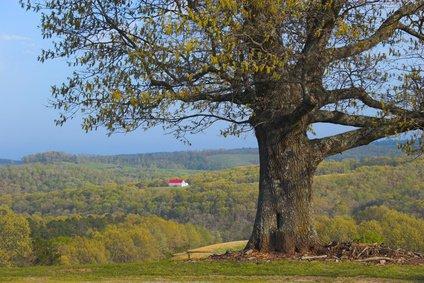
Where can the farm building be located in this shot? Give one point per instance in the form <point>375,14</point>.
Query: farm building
<point>177,183</point>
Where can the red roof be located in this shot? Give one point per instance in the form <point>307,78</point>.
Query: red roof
<point>175,181</point>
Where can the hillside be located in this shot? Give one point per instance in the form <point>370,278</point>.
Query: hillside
<point>342,186</point>
<point>201,160</point>
<point>190,160</point>
<point>222,201</point>
<point>78,209</point>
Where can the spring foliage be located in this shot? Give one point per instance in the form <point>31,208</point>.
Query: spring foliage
<point>15,241</point>
<point>188,64</point>
<point>78,211</point>
<point>71,240</point>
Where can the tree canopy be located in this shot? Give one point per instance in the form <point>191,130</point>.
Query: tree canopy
<point>188,64</point>
<point>15,246</point>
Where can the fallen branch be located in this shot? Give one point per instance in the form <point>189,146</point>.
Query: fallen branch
<point>376,258</point>
<point>313,257</point>
<point>366,248</point>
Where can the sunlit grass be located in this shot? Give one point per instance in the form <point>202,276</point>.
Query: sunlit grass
<point>204,252</point>
<point>209,270</point>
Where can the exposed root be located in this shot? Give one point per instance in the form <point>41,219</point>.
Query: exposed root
<point>369,253</point>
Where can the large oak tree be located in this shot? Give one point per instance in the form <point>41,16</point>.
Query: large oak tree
<point>275,67</point>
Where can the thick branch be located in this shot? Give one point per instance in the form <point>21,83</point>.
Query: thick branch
<point>337,95</point>
<point>384,32</point>
<point>337,117</point>
<point>320,24</point>
<point>360,94</point>
<point>342,142</point>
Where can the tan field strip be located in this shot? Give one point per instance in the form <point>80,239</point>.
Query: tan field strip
<point>206,251</point>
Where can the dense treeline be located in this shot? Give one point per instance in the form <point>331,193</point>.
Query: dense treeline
<point>93,239</point>
<point>71,212</point>
<point>120,238</point>
<point>222,201</point>
<point>377,224</point>
<point>47,177</point>
<point>9,162</point>
<point>190,160</point>
<point>385,148</point>
<point>201,160</point>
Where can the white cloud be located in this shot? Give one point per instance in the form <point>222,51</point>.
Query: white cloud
<point>13,37</point>
<point>28,45</point>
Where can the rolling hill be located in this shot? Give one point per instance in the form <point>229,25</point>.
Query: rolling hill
<point>201,160</point>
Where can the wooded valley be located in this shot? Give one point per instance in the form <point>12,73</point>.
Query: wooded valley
<point>67,212</point>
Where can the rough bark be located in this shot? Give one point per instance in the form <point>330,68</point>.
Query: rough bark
<point>287,164</point>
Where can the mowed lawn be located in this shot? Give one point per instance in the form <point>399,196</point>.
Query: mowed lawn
<point>206,270</point>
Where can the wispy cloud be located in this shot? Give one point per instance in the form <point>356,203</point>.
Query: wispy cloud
<point>13,37</point>
<point>27,43</point>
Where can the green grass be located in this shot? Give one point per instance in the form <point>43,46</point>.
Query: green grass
<point>209,270</point>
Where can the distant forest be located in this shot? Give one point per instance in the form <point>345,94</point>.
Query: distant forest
<point>67,209</point>
<point>9,162</point>
<point>201,160</point>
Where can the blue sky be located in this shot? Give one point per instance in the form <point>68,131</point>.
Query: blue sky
<point>26,123</point>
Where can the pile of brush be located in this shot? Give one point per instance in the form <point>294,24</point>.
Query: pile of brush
<point>337,251</point>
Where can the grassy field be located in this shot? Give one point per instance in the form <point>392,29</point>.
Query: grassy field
<point>179,269</point>
<point>204,270</point>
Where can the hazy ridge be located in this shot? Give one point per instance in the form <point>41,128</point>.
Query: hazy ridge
<point>198,160</point>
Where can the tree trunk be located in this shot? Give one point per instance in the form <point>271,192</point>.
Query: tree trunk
<point>283,220</point>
